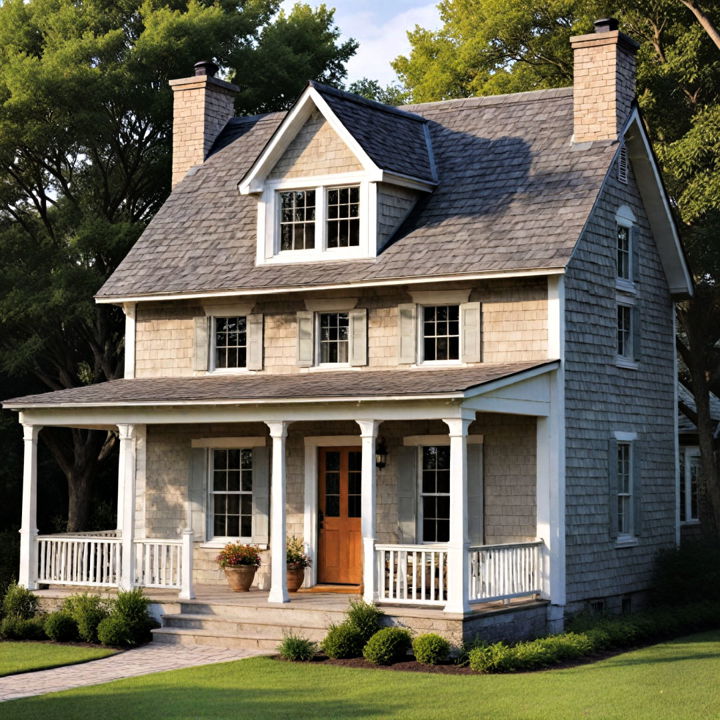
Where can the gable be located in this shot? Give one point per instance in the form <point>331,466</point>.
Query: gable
<point>316,150</point>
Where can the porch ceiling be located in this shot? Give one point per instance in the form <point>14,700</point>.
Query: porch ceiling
<point>410,384</point>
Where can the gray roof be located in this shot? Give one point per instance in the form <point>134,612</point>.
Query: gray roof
<point>685,425</point>
<point>311,386</point>
<point>514,194</point>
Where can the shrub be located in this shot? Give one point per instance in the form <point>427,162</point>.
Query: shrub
<point>131,620</point>
<point>60,627</point>
<point>343,641</point>
<point>19,602</point>
<point>88,611</point>
<point>491,658</point>
<point>430,649</point>
<point>18,628</point>
<point>297,648</point>
<point>365,618</point>
<point>115,631</point>
<point>463,656</point>
<point>387,646</point>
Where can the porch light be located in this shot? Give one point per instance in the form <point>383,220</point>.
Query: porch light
<point>380,454</point>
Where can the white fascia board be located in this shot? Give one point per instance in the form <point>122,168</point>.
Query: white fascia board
<point>160,297</point>
<point>657,206</point>
<point>514,379</point>
<point>407,181</point>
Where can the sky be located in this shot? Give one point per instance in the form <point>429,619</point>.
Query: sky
<point>380,26</point>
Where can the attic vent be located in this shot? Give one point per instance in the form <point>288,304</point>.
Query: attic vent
<point>622,165</point>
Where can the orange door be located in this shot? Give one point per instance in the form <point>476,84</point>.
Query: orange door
<point>340,545</point>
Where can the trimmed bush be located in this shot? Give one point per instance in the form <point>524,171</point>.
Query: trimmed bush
<point>17,628</point>
<point>430,649</point>
<point>387,646</point>
<point>19,602</point>
<point>342,641</point>
<point>463,656</point>
<point>60,627</point>
<point>88,611</point>
<point>297,648</point>
<point>365,618</point>
<point>129,623</point>
<point>114,631</point>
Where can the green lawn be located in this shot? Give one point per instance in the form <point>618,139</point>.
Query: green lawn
<point>673,680</point>
<point>17,657</point>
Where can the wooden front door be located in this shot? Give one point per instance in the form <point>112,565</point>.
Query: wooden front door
<point>339,541</point>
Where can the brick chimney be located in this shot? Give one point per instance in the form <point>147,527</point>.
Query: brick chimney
<point>202,105</point>
<point>604,81</point>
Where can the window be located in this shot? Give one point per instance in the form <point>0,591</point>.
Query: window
<point>624,331</point>
<point>441,333</point>
<point>343,217</point>
<point>230,342</point>
<point>231,492</point>
<point>623,252</point>
<point>333,337</point>
<point>297,220</point>
<point>689,476</point>
<point>435,494</point>
<point>624,495</point>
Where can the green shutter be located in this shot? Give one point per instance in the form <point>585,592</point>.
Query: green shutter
<point>476,530</point>
<point>305,339</point>
<point>198,492</point>
<point>261,496</point>
<point>358,337</point>
<point>407,333</point>
<point>254,342</point>
<point>637,489</point>
<point>470,319</point>
<point>407,482</point>
<point>612,487</point>
<point>201,343</point>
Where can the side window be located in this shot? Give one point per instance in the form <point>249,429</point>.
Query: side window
<point>434,494</point>
<point>624,331</point>
<point>624,254</point>
<point>689,476</point>
<point>624,489</point>
<point>230,488</point>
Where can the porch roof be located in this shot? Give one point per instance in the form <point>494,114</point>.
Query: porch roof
<point>299,387</point>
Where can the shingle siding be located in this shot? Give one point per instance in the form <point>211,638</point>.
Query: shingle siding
<point>601,398</point>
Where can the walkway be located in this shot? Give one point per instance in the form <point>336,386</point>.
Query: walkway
<point>142,661</point>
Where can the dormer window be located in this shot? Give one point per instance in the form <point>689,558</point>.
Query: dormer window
<point>343,217</point>
<point>297,220</point>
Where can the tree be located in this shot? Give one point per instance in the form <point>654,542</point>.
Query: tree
<point>85,120</point>
<point>391,94</point>
<point>494,46</point>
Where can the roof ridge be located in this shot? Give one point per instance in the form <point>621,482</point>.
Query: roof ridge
<point>477,100</point>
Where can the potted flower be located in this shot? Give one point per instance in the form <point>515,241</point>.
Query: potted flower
<point>239,563</point>
<point>297,561</point>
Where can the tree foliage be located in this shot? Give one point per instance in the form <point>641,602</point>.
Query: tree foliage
<point>85,120</point>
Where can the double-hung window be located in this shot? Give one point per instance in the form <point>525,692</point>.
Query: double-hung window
<point>297,220</point>
<point>440,333</point>
<point>229,342</point>
<point>689,479</point>
<point>624,255</point>
<point>624,331</point>
<point>625,489</point>
<point>343,217</point>
<point>332,337</point>
<point>435,494</point>
<point>231,485</point>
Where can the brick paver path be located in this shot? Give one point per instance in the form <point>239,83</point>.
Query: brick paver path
<point>142,661</point>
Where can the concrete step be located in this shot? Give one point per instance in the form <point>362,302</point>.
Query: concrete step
<point>178,636</point>
<point>289,615</point>
<point>232,627</point>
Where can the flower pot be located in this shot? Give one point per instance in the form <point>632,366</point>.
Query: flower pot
<point>295,577</point>
<point>240,577</point>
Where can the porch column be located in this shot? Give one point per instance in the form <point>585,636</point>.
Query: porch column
<point>126,478</point>
<point>458,564</point>
<point>28,530</point>
<point>368,435</point>
<point>278,559</point>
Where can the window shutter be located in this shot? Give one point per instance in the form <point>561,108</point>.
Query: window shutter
<point>358,337</point>
<point>635,252</point>
<point>407,480</point>
<point>636,332</point>
<point>261,496</point>
<point>305,339</point>
<point>637,489</point>
<point>475,494</point>
<point>197,493</point>
<point>612,487</point>
<point>470,318</point>
<point>254,342</point>
<point>407,333</point>
<point>202,343</point>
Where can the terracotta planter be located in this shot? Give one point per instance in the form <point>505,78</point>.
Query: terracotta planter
<point>240,577</point>
<point>295,577</point>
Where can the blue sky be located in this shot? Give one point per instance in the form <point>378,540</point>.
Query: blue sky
<point>380,27</point>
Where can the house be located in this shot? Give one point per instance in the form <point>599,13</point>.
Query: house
<point>434,342</point>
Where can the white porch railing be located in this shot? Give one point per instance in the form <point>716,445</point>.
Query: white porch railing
<point>412,574</point>
<point>502,572</point>
<point>158,563</point>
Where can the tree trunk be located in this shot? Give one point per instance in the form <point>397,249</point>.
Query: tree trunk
<point>704,19</point>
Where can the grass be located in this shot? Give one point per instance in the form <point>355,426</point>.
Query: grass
<point>676,679</point>
<point>18,657</point>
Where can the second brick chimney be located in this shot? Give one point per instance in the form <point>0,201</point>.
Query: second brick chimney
<point>202,105</point>
<point>604,81</point>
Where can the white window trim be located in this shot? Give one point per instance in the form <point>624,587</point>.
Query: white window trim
<point>268,249</point>
<point>421,361</point>
<point>690,451</point>
<point>627,362</point>
<point>625,217</point>
<point>316,349</point>
<point>212,369</point>
<point>628,539</point>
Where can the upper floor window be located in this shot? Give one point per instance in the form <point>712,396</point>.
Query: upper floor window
<point>624,331</point>
<point>625,489</point>
<point>297,220</point>
<point>623,252</point>
<point>229,342</point>
<point>441,333</point>
<point>343,217</point>
<point>333,338</point>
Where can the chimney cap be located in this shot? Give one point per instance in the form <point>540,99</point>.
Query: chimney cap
<point>206,67</point>
<point>606,25</point>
